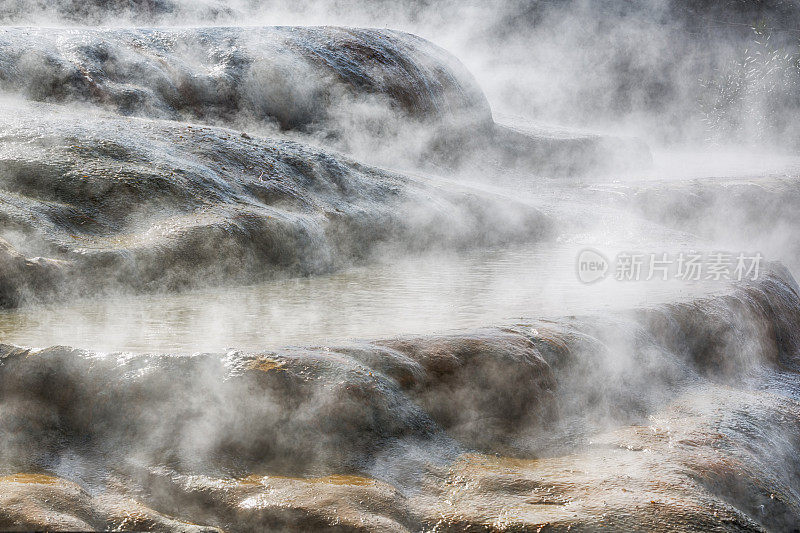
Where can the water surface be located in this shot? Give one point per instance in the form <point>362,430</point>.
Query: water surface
<point>408,295</point>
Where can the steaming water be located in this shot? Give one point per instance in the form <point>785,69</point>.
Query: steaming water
<point>730,164</point>
<point>304,412</point>
<point>420,295</point>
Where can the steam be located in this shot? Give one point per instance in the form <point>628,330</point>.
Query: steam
<point>658,69</point>
<point>195,179</point>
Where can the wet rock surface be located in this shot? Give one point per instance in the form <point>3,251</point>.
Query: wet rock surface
<point>296,77</point>
<point>157,159</point>
<point>156,205</point>
<point>127,175</point>
<point>692,467</point>
<point>354,89</point>
<point>40,502</point>
<point>500,429</point>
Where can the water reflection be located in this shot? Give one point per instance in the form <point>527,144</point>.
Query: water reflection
<point>431,294</point>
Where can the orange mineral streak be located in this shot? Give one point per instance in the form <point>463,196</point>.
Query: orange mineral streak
<point>39,479</point>
<point>338,480</point>
<point>265,364</point>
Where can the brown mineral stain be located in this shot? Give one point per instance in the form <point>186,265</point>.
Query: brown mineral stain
<point>265,364</point>
<point>493,461</point>
<point>40,479</point>
<point>338,480</point>
<point>342,480</point>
